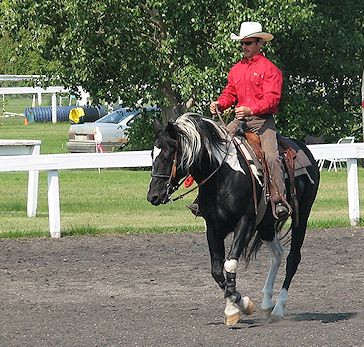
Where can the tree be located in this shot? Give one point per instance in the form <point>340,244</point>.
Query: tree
<point>323,82</point>
<point>362,102</point>
<point>21,64</point>
<point>178,54</point>
<point>169,51</point>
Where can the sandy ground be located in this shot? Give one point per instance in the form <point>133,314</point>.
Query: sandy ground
<point>156,290</point>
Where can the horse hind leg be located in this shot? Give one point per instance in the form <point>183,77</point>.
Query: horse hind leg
<point>235,304</point>
<point>293,259</point>
<point>275,253</point>
<point>294,256</point>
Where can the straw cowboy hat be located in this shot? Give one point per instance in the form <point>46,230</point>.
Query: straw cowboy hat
<point>251,29</point>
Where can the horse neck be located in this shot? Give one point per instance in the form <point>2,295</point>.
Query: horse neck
<point>203,167</point>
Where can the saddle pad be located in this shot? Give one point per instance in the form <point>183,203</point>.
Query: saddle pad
<point>301,160</point>
<point>255,166</point>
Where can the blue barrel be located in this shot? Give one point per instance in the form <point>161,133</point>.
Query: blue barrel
<point>44,113</point>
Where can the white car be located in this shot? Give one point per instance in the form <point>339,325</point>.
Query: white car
<point>107,134</point>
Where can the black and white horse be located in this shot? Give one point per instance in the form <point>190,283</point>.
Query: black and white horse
<point>201,147</point>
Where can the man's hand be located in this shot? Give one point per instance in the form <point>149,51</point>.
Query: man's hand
<point>242,111</point>
<point>213,106</point>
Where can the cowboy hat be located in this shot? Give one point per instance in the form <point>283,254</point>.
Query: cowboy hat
<point>251,29</point>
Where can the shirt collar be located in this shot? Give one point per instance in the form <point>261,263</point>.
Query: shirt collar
<point>253,59</point>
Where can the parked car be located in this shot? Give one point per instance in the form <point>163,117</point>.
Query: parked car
<point>107,134</point>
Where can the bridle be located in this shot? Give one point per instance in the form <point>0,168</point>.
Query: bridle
<point>171,188</point>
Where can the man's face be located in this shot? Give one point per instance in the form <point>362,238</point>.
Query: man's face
<point>251,46</point>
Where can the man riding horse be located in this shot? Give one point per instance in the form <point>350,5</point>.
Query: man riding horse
<point>228,189</point>
<point>254,86</point>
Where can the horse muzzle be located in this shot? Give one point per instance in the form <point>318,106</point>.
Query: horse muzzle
<point>158,197</point>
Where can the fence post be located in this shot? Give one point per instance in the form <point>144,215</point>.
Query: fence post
<point>3,105</point>
<point>33,177</point>
<point>54,108</point>
<point>53,204</point>
<point>39,98</point>
<point>353,191</point>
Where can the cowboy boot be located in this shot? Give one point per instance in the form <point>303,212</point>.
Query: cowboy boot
<point>194,209</point>
<point>282,211</point>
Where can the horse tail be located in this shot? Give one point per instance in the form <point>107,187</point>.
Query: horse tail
<point>252,250</point>
<point>253,247</point>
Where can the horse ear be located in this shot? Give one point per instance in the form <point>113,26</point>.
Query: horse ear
<point>171,130</point>
<point>157,125</point>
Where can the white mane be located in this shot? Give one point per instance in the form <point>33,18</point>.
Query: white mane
<point>193,142</point>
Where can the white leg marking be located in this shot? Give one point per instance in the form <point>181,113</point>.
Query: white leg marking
<point>278,311</point>
<point>246,305</point>
<point>231,265</point>
<point>275,252</point>
<point>233,310</point>
<point>231,307</point>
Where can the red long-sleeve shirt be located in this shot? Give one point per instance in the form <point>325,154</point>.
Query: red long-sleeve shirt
<point>255,83</point>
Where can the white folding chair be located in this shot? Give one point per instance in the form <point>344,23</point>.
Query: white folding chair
<point>321,163</point>
<point>333,162</point>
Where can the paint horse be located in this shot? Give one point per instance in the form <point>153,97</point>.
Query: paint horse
<point>203,148</point>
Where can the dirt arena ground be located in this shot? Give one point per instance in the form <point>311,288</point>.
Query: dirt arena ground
<point>156,290</point>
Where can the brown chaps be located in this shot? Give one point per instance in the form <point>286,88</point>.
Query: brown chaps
<point>264,127</point>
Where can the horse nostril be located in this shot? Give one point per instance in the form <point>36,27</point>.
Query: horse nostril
<point>153,199</point>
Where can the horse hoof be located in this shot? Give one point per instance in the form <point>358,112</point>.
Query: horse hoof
<point>275,318</point>
<point>248,306</point>
<point>267,312</point>
<point>232,319</point>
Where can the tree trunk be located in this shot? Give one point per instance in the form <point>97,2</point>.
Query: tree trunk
<point>175,105</point>
<point>171,113</point>
<point>362,102</point>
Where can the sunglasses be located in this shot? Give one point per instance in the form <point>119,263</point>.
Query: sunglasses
<point>248,43</point>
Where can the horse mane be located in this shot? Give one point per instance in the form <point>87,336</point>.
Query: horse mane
<point>199,135</point>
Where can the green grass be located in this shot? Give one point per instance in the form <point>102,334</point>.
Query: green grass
<point>53,136</point>
<point>114,201</point>
<point>331,205</point>
<point>16,104</point>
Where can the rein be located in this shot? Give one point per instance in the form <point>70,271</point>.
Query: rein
<point>199,185</point>
<point>218,113</point>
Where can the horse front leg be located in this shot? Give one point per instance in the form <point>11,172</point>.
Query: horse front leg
<point>217,256</point>
<point>235,304</point>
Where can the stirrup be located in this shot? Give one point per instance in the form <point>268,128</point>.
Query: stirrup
<point>281,211</point>
<point>195,209</point>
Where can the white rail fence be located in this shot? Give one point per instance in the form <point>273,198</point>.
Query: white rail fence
<point>25,147</point>
<point>53,163</point>
<point>54,90</point>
